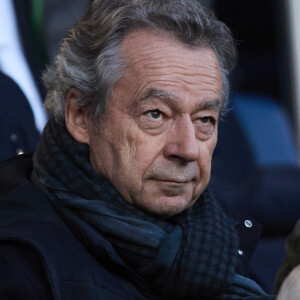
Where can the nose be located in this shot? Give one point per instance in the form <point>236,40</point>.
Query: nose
<point>182,142</point>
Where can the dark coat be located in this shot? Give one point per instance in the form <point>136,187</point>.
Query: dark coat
<point>41,258</point>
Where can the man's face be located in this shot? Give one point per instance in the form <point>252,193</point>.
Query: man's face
<point>161,127</point>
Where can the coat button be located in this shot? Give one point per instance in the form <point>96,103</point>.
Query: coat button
<point>240,252</point>
<point>248,223</point>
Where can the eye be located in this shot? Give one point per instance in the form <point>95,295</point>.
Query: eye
<point>155,114</point>
<point>206,125</point>
<point>206,120</point>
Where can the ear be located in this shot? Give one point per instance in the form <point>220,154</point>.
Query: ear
<point>76,118</point>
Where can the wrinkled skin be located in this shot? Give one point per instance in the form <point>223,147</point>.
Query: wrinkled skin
<point>160,130</point>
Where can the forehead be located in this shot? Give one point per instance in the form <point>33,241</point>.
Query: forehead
<point>158,60</point>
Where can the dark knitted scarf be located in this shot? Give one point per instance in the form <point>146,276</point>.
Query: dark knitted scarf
<point>190,256</point>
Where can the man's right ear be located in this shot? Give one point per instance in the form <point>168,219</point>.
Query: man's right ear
<point>76,118</point>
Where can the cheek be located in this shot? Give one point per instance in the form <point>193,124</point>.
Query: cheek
<point>206,152</point>
<point>134,159</point>
<point>212,144</point>
<point>143,148</point>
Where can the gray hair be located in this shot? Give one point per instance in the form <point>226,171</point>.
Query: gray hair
<point>90,58</point>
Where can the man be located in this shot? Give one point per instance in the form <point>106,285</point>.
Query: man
<point>287,283</point>
<point>290,288</point>
<point>287,276</point>
<point>116,206</point>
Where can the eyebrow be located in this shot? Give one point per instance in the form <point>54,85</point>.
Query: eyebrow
<point>160,94</point>
<point>215,104</point>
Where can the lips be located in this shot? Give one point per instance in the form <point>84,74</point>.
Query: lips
<point>173,180</point>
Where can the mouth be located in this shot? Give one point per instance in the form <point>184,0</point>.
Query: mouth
<point>172,181</point>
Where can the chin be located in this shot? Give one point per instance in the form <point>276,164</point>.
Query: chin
<point>167,207</point>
